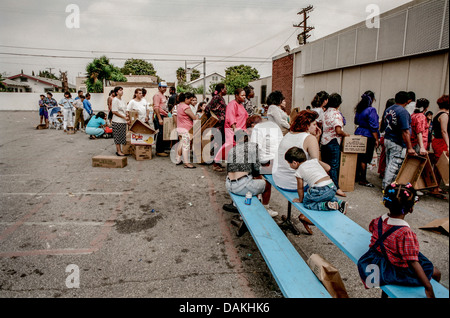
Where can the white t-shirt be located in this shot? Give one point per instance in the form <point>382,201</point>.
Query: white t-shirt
<point>268,136</point>
<point>311,171</point>
<point>283,174</point>
<point>140,107</point>
<point>318,110</point>
<point>119,106</point>
<point>410,107</point>
<point>278,116</point>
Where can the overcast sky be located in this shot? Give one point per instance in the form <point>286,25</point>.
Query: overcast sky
<point>168,33</point>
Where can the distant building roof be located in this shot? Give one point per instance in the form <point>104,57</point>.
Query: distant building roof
<point>12,83</point>
<point>201,78</point>
<point>44,80</point>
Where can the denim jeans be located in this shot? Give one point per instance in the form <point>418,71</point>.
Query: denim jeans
<point>316,198</point>
<point>246,184</point>
<point>395,154</point>
<point>331,155</point>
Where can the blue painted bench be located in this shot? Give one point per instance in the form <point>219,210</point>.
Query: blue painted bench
<point>293,276</point>
<point>354,241</point>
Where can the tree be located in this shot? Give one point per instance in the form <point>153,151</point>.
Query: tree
<point>47,74</point>
<point>138,67</point>
<point>181,74</point>
<point>99,71</point>
<point>239,76</point>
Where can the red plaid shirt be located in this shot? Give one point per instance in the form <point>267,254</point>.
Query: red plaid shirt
<point>401,246</point>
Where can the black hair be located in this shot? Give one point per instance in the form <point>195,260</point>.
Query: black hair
<point>144,91</point>
<point>248,89</point>
<point>334,101</point>
<point>389,103</point>
<point>183,96</point>
<point>421,105</point>
<point>399,198</point>
<point>80,91</point>
<point>68,93</point>
<point>48,93</point>
<point>275,98</point>
<point>237,91</point>
<point>117,88</point>
<point>219,87</point>
<point>295,154</point>
<point>429,113</point>
<point>412,96</point>
<point>100,115</point>
<point>87,94</point>
<point>401,97</point>
<point>319,99</point>
<point>111,92</point>
<point>366,101</point>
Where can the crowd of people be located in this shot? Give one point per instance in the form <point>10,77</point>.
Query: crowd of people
<point>301,149</point>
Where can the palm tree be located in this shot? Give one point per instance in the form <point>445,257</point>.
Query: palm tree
<point>98,72</point>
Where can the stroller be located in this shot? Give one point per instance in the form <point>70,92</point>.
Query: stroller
<point>54,119</point>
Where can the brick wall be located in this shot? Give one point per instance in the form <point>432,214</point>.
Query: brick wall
<point>282,72</point>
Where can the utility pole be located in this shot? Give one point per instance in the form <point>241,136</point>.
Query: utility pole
<point>204,78</point>
<point>304,34</point>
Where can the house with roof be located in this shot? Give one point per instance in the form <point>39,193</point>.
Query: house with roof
<point>34,84</point>
<point>211,78</point>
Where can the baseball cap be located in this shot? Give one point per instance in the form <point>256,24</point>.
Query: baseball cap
<point>162,84</point>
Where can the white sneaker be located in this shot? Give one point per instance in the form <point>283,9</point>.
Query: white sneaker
<point>419,193</point>
<point>271,212</point>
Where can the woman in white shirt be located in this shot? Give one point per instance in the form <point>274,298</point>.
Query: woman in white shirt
<point>304,133</point>
<point>119,120</point>
<point>318,103</point>
<point>275,113</point>
<point>139,104</point>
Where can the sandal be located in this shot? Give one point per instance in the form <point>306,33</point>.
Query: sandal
<point>366,184</point>
<point>189,167</point>
<point>217,168</point>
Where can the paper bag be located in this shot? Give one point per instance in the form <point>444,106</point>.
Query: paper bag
<point>170,129</point>
<point>328,275</point>
<point>439,225</point>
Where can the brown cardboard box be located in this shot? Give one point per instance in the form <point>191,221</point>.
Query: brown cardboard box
<point>109,161</point>
<point>142,134</point>
<point>141,152</point>
<point>70,130</point>
<point>133,115</point>
<point>170,129</point>
<point>438,225</point>
<point>347,171</point>
<point>354,144</point>
<point>41,126</point>
<point>328,275</point>
<point>126,148</point>
<point>427,179</point>
<point>442,167</point>
<point>411,169</point>
<point>200,140</point>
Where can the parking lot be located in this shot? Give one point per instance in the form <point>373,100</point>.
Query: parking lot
<point>151,229</point>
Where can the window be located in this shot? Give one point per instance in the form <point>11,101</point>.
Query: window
<point>23,79</point>
<point>263,94</point>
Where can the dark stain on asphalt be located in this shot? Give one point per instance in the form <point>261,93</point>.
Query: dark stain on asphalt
<point>132,226</point>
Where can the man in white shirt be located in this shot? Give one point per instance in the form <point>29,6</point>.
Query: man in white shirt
<point>411,103</point>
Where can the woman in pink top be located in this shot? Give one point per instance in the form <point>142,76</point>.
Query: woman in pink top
<point>185,118</point>
<point>419,127</point>
<point>235,119</point>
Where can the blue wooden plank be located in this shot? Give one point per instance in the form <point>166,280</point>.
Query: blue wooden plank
<point>292,274</point>
<point>354,241</point>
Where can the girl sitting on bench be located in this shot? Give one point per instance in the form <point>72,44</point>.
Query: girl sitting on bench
<point>394,248</point>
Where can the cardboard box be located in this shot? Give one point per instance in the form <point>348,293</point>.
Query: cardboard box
<point>438,225</point>
<point>141,152</point>
<point>347,171</point>
<point>134,114</point>
<point>170,129</point>
<point>200,140</point>
<point>142,134</point>
<point>354,144</point>
<point>427,179</point>
<point>442,167</point>
<point>70,130</point>
<point>126,148</point>
<point>41,126</point>
<point>109,161</point>
<point>411,169</point>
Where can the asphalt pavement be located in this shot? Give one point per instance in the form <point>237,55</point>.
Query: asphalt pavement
<point>149,230</point>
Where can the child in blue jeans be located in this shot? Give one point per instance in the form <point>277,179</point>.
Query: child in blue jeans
<point>321,192</point>
<point>394,248</point>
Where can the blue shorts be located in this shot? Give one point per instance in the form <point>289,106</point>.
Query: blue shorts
<point>43,112</point>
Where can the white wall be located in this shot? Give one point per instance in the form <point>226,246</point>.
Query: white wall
<point>30,101</point>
